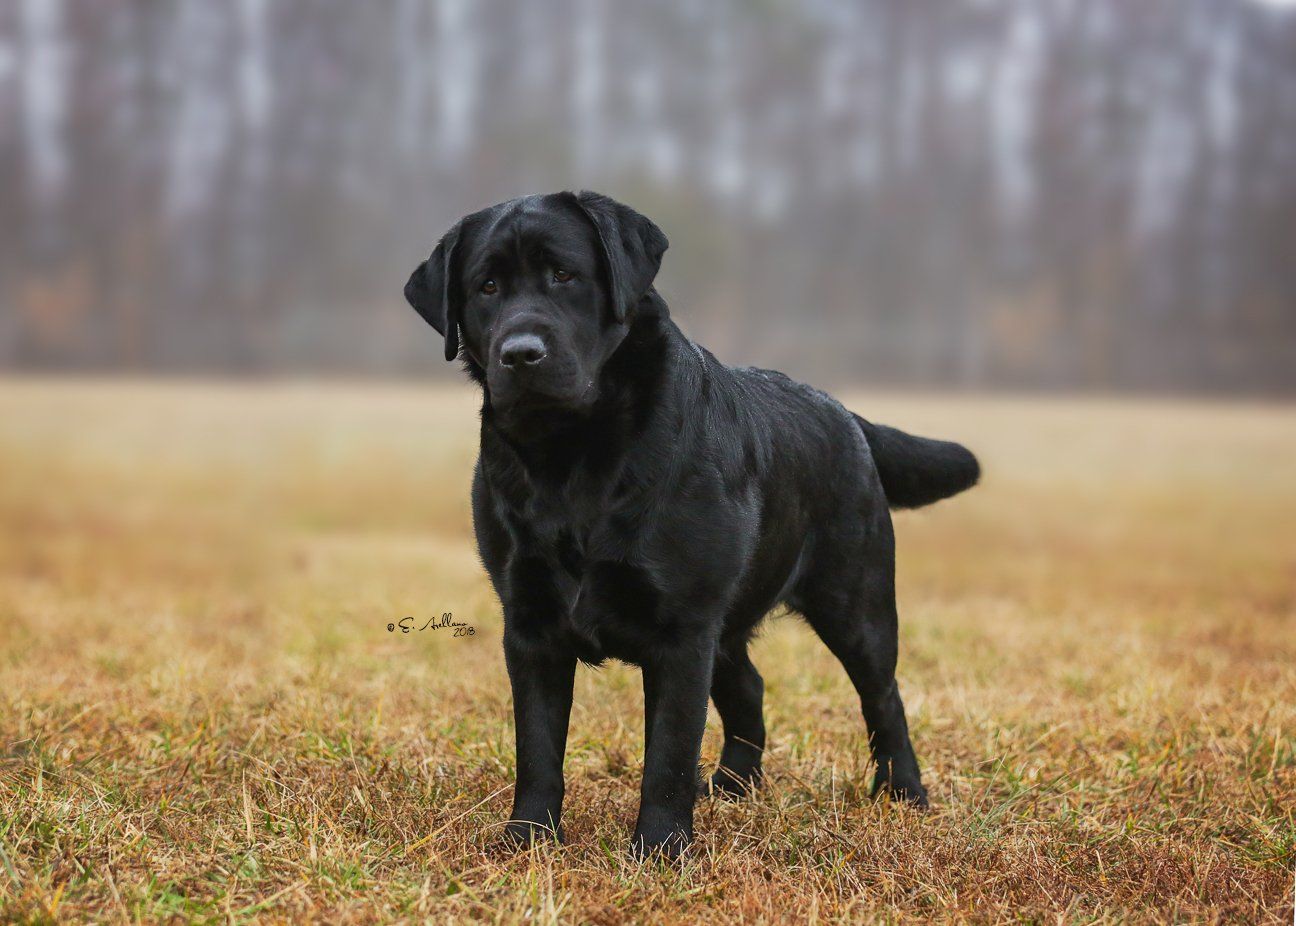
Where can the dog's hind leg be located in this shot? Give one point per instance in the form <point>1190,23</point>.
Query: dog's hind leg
<point>738,691</point>
<point>850,603</point>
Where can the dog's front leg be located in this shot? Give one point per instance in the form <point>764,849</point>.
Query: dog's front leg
<point>541,678</point>
<point>676,684</point>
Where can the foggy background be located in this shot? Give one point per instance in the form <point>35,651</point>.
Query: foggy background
<point>1026,195</point>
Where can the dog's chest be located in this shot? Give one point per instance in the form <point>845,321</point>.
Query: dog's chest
<point>563,526</point>
<point>568,537</point>
<point>607,601</point>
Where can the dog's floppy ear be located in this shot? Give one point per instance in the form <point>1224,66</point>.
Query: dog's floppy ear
<point>433,291</point>
<point>632,248</point>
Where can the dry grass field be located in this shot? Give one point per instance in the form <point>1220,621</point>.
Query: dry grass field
<point>203,715</point>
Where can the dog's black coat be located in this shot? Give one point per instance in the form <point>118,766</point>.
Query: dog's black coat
<point>635,498</point>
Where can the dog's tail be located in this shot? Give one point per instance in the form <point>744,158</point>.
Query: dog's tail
<point>917,471</point>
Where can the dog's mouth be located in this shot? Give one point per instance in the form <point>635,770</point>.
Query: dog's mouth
<point>536,410</point>
<point>533,399</point>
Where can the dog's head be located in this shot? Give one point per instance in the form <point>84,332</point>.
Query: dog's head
<point>539,292</point>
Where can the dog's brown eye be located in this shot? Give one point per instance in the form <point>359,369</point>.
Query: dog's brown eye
<point>489,288</point>
<point>562,276</point>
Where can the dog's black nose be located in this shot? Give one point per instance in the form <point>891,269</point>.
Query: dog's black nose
<point>519,350</point>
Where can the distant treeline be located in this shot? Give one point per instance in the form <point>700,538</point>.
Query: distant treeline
<point>1047,194</point>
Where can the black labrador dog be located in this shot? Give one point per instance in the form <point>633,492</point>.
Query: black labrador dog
<point>637,499</point>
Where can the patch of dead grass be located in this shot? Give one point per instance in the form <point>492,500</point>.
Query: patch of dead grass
<point>203,715</point>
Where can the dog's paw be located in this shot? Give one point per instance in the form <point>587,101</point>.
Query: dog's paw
<point>666,846</point>
<point>902,789</point>
<point>733,785</point>
<point>522,834</point>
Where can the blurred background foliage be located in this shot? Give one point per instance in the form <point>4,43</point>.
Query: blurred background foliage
<point>1058,194</point>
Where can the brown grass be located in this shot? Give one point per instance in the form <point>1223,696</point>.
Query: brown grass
<point>203,715</point>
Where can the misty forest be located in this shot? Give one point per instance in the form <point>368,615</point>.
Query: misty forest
<point>1022,195</point>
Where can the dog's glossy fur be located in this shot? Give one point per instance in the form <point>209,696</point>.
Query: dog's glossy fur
<point>637,499</point>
